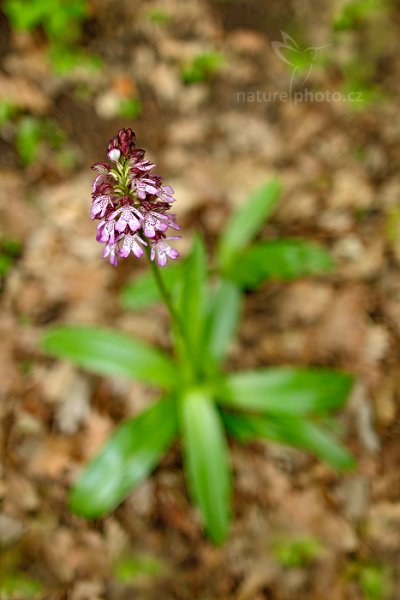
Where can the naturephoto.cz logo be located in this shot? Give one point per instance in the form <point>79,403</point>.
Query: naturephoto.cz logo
<point>301,61</point>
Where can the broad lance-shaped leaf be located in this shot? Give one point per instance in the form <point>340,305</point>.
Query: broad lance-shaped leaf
<point>193,301</point>
<point>143,291</point>
<point>222,320</point>
<point>288,391</point>
<point>108,352</point>
<point>292,431</point>
<point>128,457</point>
<point>247,221</point>
<point>279,259</point>
<point>207,462</point>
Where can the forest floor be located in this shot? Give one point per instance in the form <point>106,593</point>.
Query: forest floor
<point>300,531</point>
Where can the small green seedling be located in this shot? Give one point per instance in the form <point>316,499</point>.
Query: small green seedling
<point>202,67</point>
<point>159,16</point>
<point>130,108</point>
<point>299,552</point>
<point>129,568</point>
<point>10,249</point>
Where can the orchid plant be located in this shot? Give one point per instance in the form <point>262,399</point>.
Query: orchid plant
<point>200,401</point>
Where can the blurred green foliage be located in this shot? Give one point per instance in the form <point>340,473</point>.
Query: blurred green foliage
<point>31,132</point>
<point>359,83</point>
<point>8,110</point>
<point>130,108</point>
<point>61,21</point>
<point>202,67</point>
<point>129,568</point>
<point>298,552</point>
<point>361,75</point>
<point>159,16</point>
<point>10,249</point>
<point>392,225</point>
<point>355,12</point>
<point>65,59</point>
<point>374,582</point>
<point>373,579</point>
<point>28,138</point>
<point>18,585</point>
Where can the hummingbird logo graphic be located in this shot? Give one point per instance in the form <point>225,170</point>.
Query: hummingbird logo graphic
<point>300,59</point>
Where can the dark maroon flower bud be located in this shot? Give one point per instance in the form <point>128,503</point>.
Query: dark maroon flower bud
<point>126,139</point>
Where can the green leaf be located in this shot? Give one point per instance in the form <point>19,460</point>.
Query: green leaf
<point>286,390</point>
<point>206,462</point>
<point>193,302</point>
<point>279,259</point>
<point>222,320</point>
<point>108,352</point>
<point>128,457</point>
<point>291,431</point>
<point>143,291</point>
<point>247,221</point>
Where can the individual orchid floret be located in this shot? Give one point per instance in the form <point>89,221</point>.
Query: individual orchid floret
<point>154,222</point>
<point>132,243</point>
<point>110,251</point>
<point>144,187</point>
<point>99,206</point>
<point>161,250</point>
<point>129,217</point>
<point>106,232</point>
<point>167,194</point>
<point>132,204</point>
<point>101,167</point>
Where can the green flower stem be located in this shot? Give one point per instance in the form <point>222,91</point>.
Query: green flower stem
<point>175,316</point>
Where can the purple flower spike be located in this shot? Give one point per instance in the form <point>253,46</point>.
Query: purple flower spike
<point>131,204</point>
